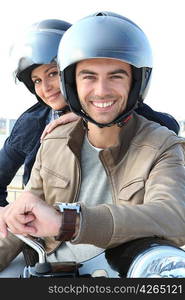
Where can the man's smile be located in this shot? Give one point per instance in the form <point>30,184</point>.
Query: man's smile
<point>103,104</point>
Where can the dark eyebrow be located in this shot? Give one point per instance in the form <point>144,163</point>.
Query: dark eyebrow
<point>120,71</point>
<point>82,72</point>
<point>117,71</point>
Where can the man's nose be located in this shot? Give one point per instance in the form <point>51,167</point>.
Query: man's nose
<point>102,88</point>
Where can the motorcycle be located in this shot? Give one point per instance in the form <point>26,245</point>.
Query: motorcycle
<point>149,257</point>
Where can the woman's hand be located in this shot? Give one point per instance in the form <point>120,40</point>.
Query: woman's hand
<point>64,119</point>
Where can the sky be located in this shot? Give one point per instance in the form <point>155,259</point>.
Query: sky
<point>162,20</point>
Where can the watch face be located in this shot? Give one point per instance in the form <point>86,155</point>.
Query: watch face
<point>71,206</point>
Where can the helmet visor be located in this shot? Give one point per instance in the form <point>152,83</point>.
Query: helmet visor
<point>38,48</point>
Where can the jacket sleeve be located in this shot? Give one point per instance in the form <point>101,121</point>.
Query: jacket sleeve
<point>10,247</point>
<point>162,213</point>
<point>35,183</point>
<point>10,161</point>
<point>18,148</point>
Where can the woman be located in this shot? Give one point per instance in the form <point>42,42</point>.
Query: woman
<point>36,68</point>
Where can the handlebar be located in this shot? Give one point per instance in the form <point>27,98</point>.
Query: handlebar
<point>38,247</point>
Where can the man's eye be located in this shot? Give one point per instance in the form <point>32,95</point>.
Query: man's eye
<point>90,77</point>
<point>116,77</point>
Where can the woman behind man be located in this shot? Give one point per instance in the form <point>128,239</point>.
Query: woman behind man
<point>36,68</point>
<point>35,65</point>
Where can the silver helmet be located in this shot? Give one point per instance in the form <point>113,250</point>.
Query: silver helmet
<point>105,35</point>
<point>39,45</point>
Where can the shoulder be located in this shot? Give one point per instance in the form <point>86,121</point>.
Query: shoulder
<point>28,127</point>
<point>64,131</point>
<point>31,119</point>
<point>154,135</point>
<point>38,110</point>
<point>162,118</point>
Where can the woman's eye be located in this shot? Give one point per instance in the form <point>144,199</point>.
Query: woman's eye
<point>36,81</point>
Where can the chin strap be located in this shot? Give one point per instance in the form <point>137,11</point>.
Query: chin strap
<point>120,124</point>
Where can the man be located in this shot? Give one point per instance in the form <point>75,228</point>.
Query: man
<point>125,173</point>
<point>23,143</point>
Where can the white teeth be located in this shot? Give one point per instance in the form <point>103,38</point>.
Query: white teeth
<point>105,104</point>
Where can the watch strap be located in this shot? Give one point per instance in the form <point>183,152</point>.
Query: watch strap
<point>68,226</point>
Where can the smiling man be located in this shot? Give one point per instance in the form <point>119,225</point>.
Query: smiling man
<point>103,86</point>
<point>114,176</point>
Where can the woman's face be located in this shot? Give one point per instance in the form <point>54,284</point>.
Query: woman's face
<point>46,83</point>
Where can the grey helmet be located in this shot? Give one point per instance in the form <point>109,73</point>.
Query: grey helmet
<point>39,45</point>
<point>105,35</point>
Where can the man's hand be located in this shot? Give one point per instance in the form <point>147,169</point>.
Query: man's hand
<point>29,215</point>
<point>64,119</point>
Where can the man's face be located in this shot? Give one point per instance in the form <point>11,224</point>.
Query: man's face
<point>103,86</point>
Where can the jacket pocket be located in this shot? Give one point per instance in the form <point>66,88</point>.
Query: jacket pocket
<point>133,191</point>
<point>54,179</point>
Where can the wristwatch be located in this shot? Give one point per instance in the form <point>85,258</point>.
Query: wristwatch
<point>69,213</point>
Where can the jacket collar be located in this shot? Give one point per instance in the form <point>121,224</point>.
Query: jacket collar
<point>127,133</point>
<point>117,152</point>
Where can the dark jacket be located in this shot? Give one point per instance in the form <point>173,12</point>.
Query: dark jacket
<point>24,141</point>
<point>21,146</point>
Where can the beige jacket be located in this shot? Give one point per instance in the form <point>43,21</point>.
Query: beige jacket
<point>147,177</point>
